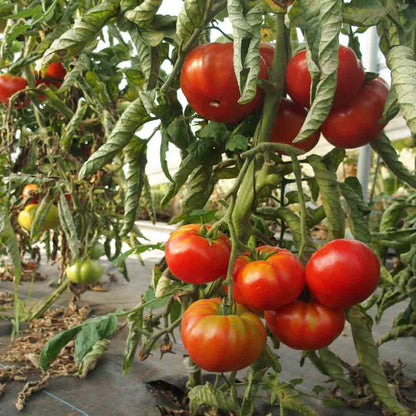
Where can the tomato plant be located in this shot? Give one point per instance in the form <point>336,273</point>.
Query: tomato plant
<point>305,325</point>
<point>219,342</point>
<point>193,258</point>
<point>350,78</point>
<point>210,86</point>
<point>287,124</point>
<point>342,273</point>
<point>9,85</point>
<point>54,75</point>
<point>358,122</point>
<point>269,279</point>
<point>85,271</point>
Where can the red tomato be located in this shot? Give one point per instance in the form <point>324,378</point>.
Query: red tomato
<point>30,191</point>
<point>305,325</point>
<point>193,258</point>
<point>342,273</point>
<point>9,85</point>
<point>287,124</point>
<point>218,342</point>
<point>357,123</point>
<point>267,53</point>
<point>267,283</point>
<point>54,75</point>
<point>210,86</point>
<point>349,81</point>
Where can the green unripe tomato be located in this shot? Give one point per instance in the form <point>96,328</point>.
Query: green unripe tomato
<point>27,216</point>
<point>88,271</point>
<point>97,251</point>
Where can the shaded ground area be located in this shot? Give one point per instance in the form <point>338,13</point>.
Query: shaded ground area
<point>106,392</point>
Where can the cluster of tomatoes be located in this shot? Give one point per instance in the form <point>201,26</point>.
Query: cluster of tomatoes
<point>210,86</point>
<point>11,84</point>
<point>269,281</point>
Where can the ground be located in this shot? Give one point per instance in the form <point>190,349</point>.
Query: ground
<point>106,392</point>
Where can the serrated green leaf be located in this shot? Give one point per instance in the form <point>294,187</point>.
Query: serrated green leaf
<point>132,119</point>
<point>401,61</point>
<point>331,195</point>
<point>164,147</point>
<point>237,142</point>
<point>68,225</point>
<point>368,356</point>
<point>135,322</point>
<point>208,395</point>
<point>143,14</point>
<point>71,128</point>
<point>321,22</point>
<point>23,179</point>
<point>82,33</point>
<point>334,369</point>
<point>135,159</point>
<point>363,12</point>
<point>190,17</point>
<point>382,145</point>
<point>90,359</point>
<point>391,107</point>
<point>246,22</point>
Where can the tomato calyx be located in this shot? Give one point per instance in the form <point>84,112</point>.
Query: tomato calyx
<point>261,254</point>
<point>226,308</point>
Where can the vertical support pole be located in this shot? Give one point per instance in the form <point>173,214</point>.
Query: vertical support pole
<point>364,157</point>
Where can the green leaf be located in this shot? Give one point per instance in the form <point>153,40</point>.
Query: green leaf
<point>135,159</point>
<point>363,12</point>
<point>246,34</point>
<point>68,225</point>
<point>401,61</point>
<point>71,128</point>
<point>164,147</point>
<point>382,145</point>
<point>391,107</point>
<point>237,142</point>
<point>334,369</point>
<point>368,356</point>
<point>321,23</point>
<point>90,359</point>
<point>191,17</point>
<point>358,211</point>
<point>331,196</point>
<point>135,322</point>
<point>85,31</point>
<point>53,347</point>
<point>132,119</point>
<point>40,216</point>
<point>85,340</point>
<point>208,395</point>
<point>143,14</point>
<point>391,216</point>
<point>23,179</point>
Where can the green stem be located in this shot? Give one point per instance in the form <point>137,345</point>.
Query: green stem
<point>247,195</point>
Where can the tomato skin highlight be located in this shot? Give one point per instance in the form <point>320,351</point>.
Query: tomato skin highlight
<point>84,272</point>
<point>210,86</point>
<point>287,124</point>
<point>305,325</point>
<point>194,259</point>
<point>264,285</point>
<point>222,343</point>
<point>356,123</point>
<point>350,78</point>
<point>9,85</point>
<point>342,273</point>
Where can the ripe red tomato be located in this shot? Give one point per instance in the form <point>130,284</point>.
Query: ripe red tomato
<point>267,53</point>
<point>9,85</point>
<point>287,124</point>
<point>356,123</point>
<point>193,258</point>
<point>218,342</point>
<point>342,273</point>
<point>349,81</point>
<point>54,75</point>
<point>305,325</point>
<point>30,191</point>
<point>210,86</point>
<point>274,279</point>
